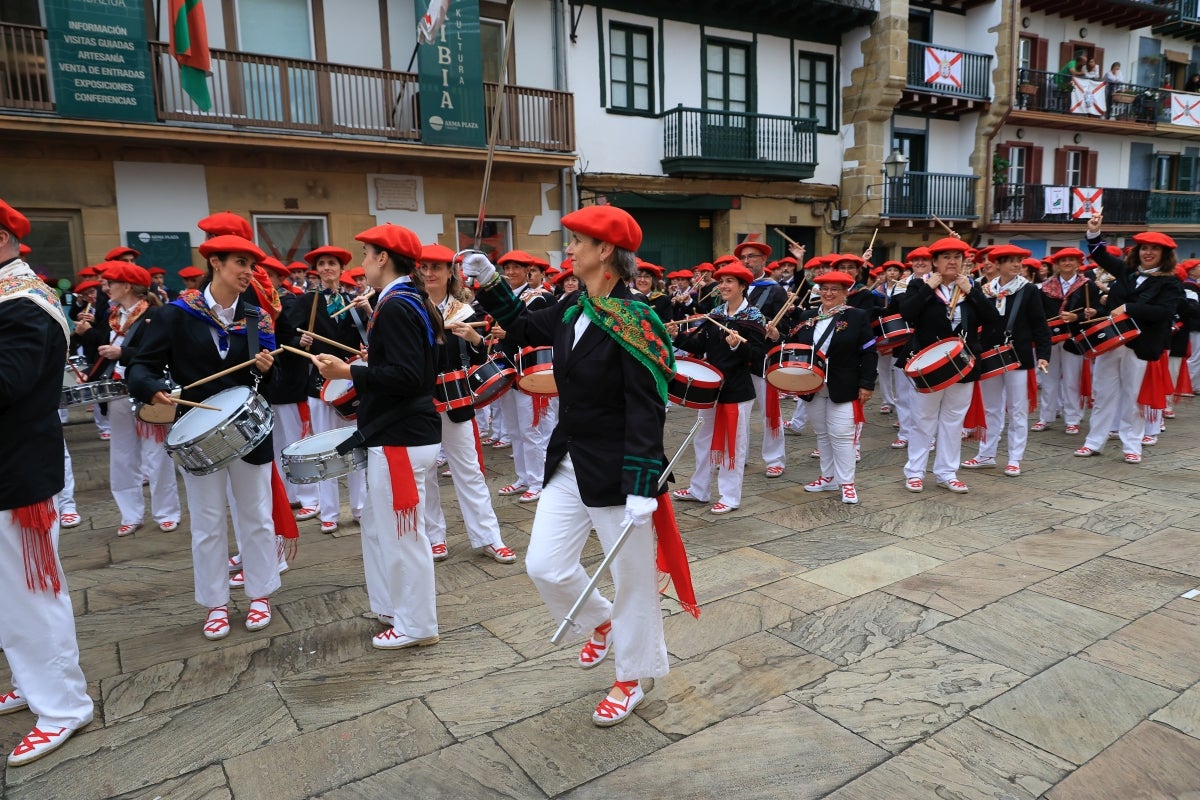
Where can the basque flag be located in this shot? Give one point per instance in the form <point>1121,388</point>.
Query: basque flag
<point>189,45</point>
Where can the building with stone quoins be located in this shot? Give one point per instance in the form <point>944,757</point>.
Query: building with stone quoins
<point>709,121</point>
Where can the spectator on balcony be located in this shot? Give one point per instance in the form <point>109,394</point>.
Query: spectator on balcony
<point>1092,71</point>
<point>1193,84</point>
<point>1113,81</point>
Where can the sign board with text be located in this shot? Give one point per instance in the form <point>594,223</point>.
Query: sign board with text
<point>451,76</point>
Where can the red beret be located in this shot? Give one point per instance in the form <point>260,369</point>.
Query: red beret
<point>703,266</point>
<point>229,243</point>
<point>13,221</point>
<point>357,272</point>
<point>607,224</point>
<point>1066,252</point>
<point>24,250</point>
<point>117,252</point>
<point>540,263</point>
<point>562,276</point>
<point>1154,237</point>
<point>840,278</point>
<point>1181,272</point>
<point>919,252</point>
<point>394,238</point>
<point>654,269</point>
<point>275,265</point>
<point>341,254</point>
<point>297,266</point>
<point>721,261</point>
<point>1007,251</point>
<point>814,262</point>
<point>1031,263</point>
<point>735,270</point>
<point>347,279</point>
<point>157,271</point>
<point>949,245</point>
<point>761,247</point>
<point>682,274</point>
<point>437,253</point>
<point>85,285</point>
<point>226,223</point>
<point>191,272</point>
<point>88,272</point>
<point>518,257</point>
<point>124,272</point>
<point>895,264</point>
<point>836,258</point>
<point>788,260</point>
<point>875,273</point>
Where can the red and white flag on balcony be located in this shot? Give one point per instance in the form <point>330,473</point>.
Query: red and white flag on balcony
<point>431,23</point>
<point>1086,201</point>
<point>1185,109</point>
<point>943,66</point>
<point>1088,97</point>
<point>189,45</point>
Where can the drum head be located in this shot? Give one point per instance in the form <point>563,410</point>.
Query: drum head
<point>198,421</point>
<point>933,354</point>
<point>697,370</point>
<point>316,444</point>
<point>336,389</point>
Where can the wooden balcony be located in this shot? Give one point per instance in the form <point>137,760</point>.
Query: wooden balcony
<point>1128,14</point>
<point>266,94</point>
<point>945,81</point>
<point>1126,107</point>
<point>925,195</point>
<point>1184,21</point>
<point>703,142</point>
<point>813,20</point>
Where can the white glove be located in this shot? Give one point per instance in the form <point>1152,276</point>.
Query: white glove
<point>477,266</point>
<point>638,509</point>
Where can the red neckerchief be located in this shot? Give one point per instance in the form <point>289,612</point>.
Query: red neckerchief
<point>114,317</point>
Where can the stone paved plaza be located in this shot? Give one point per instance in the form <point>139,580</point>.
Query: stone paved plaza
<point>1026,639</point>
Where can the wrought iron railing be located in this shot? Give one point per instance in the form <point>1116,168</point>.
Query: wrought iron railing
<point>1039,90</point>
<point>1173,208</point>
<point>947,70</point>
<point>725,139</point>
<point>1043,203</point>
<point>924,195</point>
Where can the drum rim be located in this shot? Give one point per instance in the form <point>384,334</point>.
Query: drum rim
<point>956,346</point>
<point>347,431</point>
<point>249,394</point>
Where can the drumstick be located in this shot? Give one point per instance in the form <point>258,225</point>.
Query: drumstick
<point>332,342</point>
<point>787,238</point>
<point>873,235</point>
<point>312,314</point>
<point>344,309</point>
<point>725,328</point>
<point>944,225</point>
<point>225,372</point>
<point>190,404</point>
<point>955,296</point>
<point>296,351</point>
<point>483,323</point>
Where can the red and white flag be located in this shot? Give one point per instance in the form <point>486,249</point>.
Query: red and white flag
<point>431,24</point>
<point>1088,97</point>
<point>1185,109</point>
<point>943,66</point>
<point>1086,201</point>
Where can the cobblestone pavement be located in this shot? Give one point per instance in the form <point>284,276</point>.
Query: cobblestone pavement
<point>1029,638</point>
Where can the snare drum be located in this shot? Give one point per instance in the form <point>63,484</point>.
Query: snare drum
<point>315,458</point>
<point>74,371</point>
<point>1107,334</point>
<point>891,332</point>
<point>340,394</point>
<point>95,392</point>
<point>203,441</point>
<point>535,371</point>
<point>939,365</point>
<point>1060,329</point>
<point>491,379</point>
<point>997,361</point>
<point>451,391</point>
<point>695,384</point>
<point>158,414</point>
<point>795,368</point>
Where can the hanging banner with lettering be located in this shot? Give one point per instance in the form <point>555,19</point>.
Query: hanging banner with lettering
<point>1087,97</point>
<point>943,67</point>
<point>99,59</point>
<point>451,76</point>
<point>1185,109</point>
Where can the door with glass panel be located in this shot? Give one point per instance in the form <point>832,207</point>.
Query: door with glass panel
<point>726,130</point>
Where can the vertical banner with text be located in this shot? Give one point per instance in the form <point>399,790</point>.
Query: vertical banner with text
<point>451,75</point>
<point>99,60</point>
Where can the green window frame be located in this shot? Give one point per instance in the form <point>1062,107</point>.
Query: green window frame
<point>631,68</point>
<point>816,90</point>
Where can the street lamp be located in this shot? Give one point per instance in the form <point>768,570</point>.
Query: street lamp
<point>895,165</point>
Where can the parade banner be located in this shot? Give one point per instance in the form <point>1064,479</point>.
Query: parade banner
<point>1185,109</point>
<point>1088,97</point>
<point>99,60</point>
<point>1086,202</point>
<point>943,67</point>
<point>1056,199</point>
<point>451,75</point>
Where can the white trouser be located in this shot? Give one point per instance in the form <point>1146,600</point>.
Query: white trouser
<point>483,417</point>
<point>474,500</point>
<point>399,564</point>
<point>528,442</point>
<point>499,420</point>
<point>324,418</point>
<point>834,425</point>
<point>887,379</point>
<point>1194,359</point>
<point>906,393</point>
<point>729,479</point>
<point>772,439</point>
<point>251,486</point>
<point>37,632</point>
<point>1006,392</point>
<point>1116,380</point>
<point>799,416</point>
<point>64,501</point>
<point>289,430</point>
<point>101,419</point>
<point>1174,363</point>
<point>1060,387</point>
<point>560,531</point>
<point>129,457</point>
<point>938,415</point>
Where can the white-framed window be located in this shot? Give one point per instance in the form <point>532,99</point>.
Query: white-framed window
<point>496,240</point>
<point>1075,167</point>
<point>1025,53</point>
<point>1018,165</point>
<point>289,237</point>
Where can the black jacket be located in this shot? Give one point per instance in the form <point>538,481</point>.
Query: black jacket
<point>769,298</point>
<point>927,313</point>
<point>340,328</point>
<point>737,364</point>
<point>458,354</point>
<point>1151,305</point>
<point>291,384</point>
<point>1030,332</point>
<point>1084,294</point>
<point>610,416</point>
<point>851,359</point>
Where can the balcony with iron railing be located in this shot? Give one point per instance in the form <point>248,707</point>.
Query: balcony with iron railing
<point>705,142</point>
<point>285,95</point>
<point>1173,208</point>
<point>1087,102</point>
<point>944,80</point>
<point>1023,203</point>
<point>1184,21</point>
<point>925,195</point>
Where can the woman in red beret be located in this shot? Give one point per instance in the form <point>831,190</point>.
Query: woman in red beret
<point>647,282</point>
<point>1131,382</point>
<point>323,312</point>
<point>401,431</point>
<point>136,447</point>
<point>842,334</point>
<point>1075,297</point>
<point>724,438</point>
<point>612,361</point>
<point>196,335</point>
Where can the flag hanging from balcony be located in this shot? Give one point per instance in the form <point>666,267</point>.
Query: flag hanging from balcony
<point>943,67</point>
<point>430,24</point>
<point>1086,202</point>
<point>189,45</point>
<point>1185,109</point>
<point>1088,97</point>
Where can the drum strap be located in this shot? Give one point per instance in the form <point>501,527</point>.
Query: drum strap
<point>362,331</point>
<point>1012,314</point>
<point>252,316</point>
